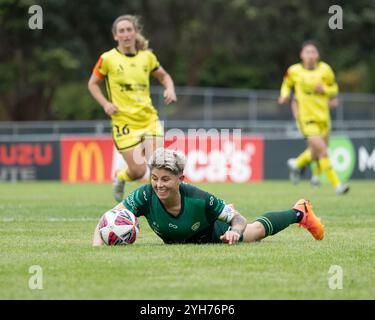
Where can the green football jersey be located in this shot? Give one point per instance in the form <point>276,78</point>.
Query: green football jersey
<point>196,223</point>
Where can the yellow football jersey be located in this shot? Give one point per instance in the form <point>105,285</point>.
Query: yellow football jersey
<point>128,83</point>
<point>312,106</point>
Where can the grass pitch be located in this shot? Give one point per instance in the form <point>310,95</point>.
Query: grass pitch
<point>51,225</point>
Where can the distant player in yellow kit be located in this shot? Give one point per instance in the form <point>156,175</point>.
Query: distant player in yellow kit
<point>314,85</point>
<point>126,69</point>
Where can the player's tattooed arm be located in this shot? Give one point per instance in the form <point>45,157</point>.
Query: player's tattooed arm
<point>233,235</point>
<point>238,224</point>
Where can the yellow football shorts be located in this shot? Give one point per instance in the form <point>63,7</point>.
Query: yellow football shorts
<point>127,136</point>
<point>313,128</point>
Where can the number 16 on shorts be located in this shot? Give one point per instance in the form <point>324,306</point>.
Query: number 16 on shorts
<point>121,130</point>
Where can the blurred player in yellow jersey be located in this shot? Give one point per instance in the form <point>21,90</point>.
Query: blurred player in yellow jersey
<point>126,69</point>
<point>315,88</point>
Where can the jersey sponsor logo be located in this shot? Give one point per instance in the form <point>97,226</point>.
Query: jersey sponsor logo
<point>195,226</point>
<point>120,70</point>
<point>125,87</point>
<point>158,232</point>
<point>131,203</point>
<point>156,227</point>
<point>171,225</point>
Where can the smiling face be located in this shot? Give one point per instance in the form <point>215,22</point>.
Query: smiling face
<point>309,56</point>
<point>125,35</point>
<point>165,183</point>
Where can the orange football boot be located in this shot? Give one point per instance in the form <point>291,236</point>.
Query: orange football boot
<point>310,221</point>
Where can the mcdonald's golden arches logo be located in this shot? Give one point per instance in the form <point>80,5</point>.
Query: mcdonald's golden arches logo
<point>86,159</point>
<point>88,155</point>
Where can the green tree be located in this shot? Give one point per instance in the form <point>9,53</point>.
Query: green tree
<point>236,43</point>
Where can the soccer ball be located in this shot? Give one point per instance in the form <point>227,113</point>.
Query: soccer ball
<point>118,227</point>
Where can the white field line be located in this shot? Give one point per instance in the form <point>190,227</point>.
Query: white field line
<point>10,219</point>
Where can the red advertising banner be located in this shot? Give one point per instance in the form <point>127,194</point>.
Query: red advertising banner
<point>86,159</point>
<point>28,160</point>
<point>209,158</point>
<point>220,158</point>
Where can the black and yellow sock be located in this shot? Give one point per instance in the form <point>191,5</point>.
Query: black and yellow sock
<point>274,222</point>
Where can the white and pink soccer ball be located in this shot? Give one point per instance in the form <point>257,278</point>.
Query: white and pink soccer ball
<point>118,227</point>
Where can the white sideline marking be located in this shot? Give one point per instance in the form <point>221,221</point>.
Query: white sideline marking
<point>70,219</point>
<point>55,219</point>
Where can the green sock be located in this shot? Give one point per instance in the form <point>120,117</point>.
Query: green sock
<point>274,222</point>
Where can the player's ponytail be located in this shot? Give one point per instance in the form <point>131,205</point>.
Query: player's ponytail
<point>141,43</point>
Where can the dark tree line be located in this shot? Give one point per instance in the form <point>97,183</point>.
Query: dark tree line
<point>221,43</point>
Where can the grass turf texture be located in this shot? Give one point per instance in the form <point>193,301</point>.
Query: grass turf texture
<point>51,225</point>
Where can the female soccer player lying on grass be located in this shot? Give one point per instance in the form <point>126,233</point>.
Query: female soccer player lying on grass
<point>180,213</point>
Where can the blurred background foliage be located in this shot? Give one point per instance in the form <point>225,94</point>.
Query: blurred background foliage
<point>215,43</point>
